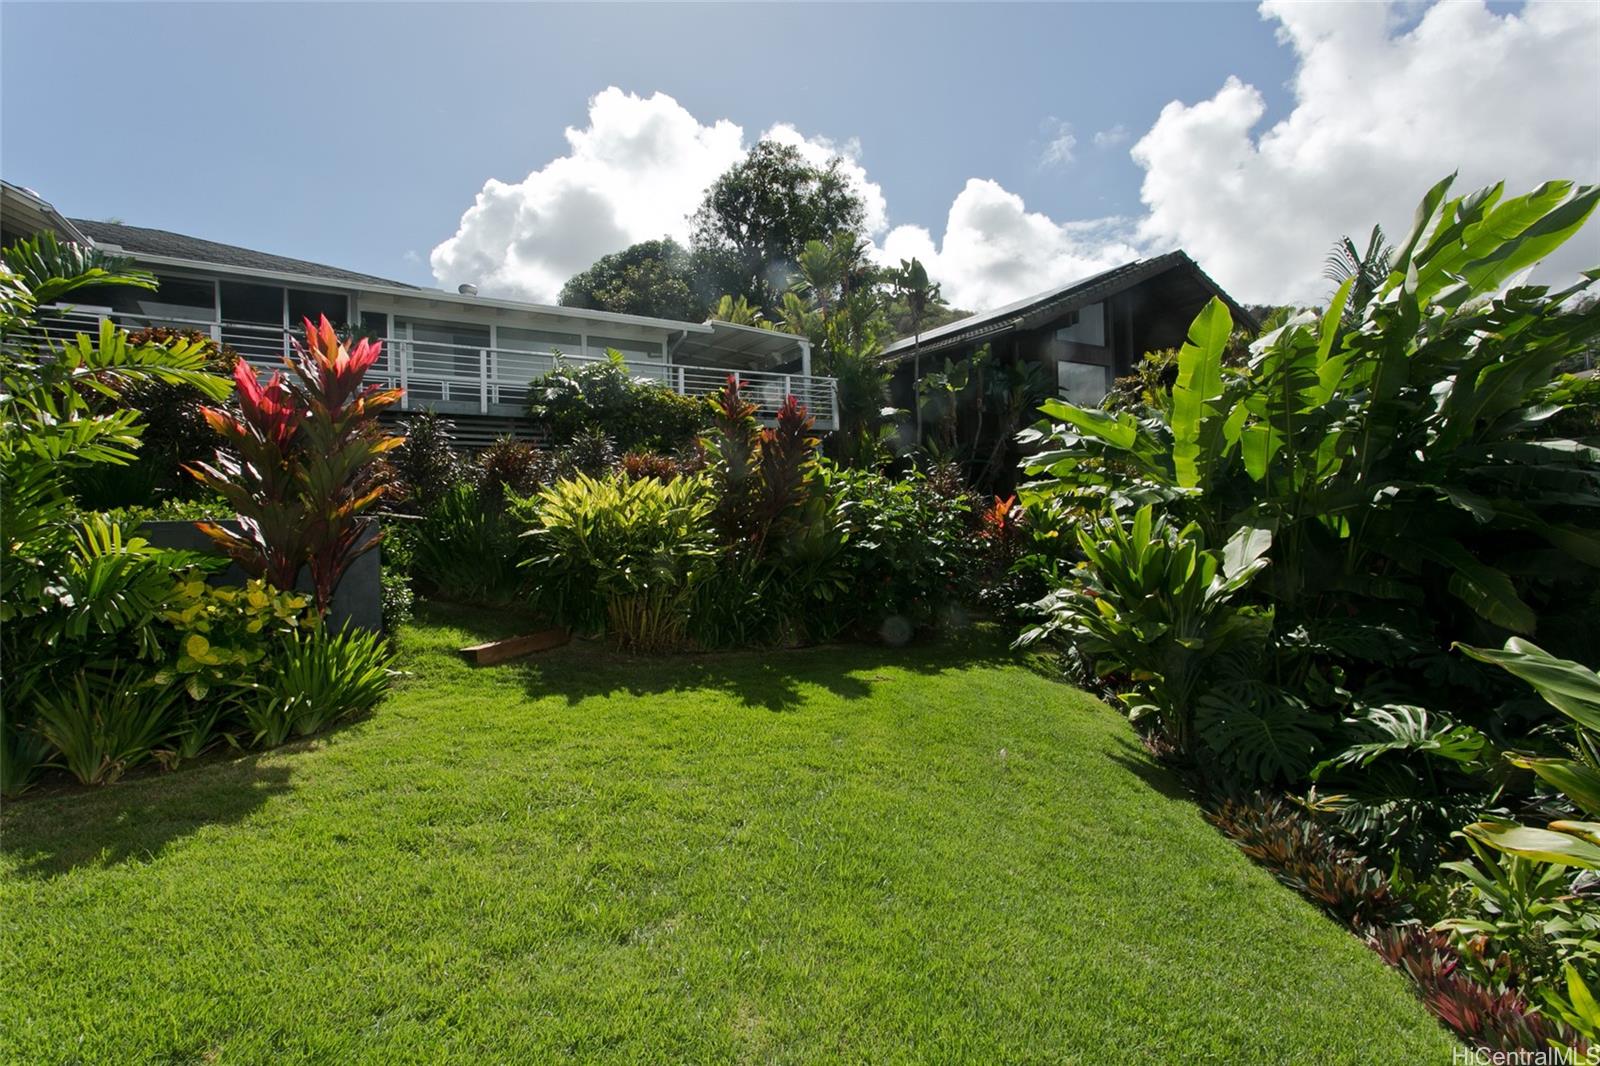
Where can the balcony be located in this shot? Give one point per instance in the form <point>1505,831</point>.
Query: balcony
<point>460,380</point>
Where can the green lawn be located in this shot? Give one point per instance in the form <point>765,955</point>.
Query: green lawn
<point>840,854</point>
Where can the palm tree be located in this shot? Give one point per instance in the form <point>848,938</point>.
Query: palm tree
<point>1369,268</point>
<point>911,284</point>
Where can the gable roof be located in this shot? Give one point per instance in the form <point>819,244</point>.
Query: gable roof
<point>139,239</point>
<point>1042,307</point>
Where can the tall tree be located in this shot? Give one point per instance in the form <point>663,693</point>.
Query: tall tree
<point>656,278</point>
<point>756,219</point>
<point>910,283</point>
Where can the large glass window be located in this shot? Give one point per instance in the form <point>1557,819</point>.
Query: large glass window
<point>256,304</point>
<point>526,354</point>
<point>304,303</point>
<point>1084,384</point>
<point>1087,325</point>
<point>645,358</point>
<point>180,300</point>
<point>447,349</point>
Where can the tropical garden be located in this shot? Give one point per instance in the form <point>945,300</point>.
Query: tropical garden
<point>828,768</point>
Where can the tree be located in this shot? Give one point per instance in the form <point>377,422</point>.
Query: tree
<point>1370,269</point>
<point>910,283</point>
<point>756,219</point>
<point>656,278</point>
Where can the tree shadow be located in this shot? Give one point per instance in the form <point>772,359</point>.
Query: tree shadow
<point>49,834</point>
<point>769,678</point>
<point>1156,775</point>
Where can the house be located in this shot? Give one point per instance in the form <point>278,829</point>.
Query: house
<point>1085,334</point>
<point>468,356</point>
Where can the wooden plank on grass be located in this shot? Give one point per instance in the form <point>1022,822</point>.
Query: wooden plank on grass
<point>498,651</point>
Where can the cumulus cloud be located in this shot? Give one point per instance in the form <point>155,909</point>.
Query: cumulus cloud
<point>995,250</point>
<point>1379,115</point>
<point>1382,107</point>
<point>635,172</point>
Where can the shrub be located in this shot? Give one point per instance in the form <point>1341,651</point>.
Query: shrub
<point>73,589</point>
<point>101,721</point>
<point>1497,1018</point>
<point>426,464</point>
<point>510,466</point>
<point>910,551</point>
<point>318,679</point>
<point>304,466</point>
<point>1152,604</point>
<point>619,556</point>
<point>467,550</point>
<point>175,430</point>
<point>604,395</point>
<point>641,464</point>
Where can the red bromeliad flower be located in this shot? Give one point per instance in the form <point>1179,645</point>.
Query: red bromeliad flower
<point>1000,519</point>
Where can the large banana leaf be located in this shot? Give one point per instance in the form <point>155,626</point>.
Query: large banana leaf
<point>1569,687</point>
<point>1544,845</point>
<point>1198,387</point>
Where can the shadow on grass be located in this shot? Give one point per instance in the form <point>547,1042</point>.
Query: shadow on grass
<point>51,834</point>
<point>1158,777</point>
<point>771,678</point>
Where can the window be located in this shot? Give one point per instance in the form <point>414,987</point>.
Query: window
<point>1087,325</point>
<point>256,304</point>
<point>180,301</point>
<point>526,354</point>
<point>1084,384</point>
<point>446,349</point>
<point>304,303</point>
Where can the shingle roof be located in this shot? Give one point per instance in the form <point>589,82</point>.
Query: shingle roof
<point>1053,302</point>
<point>138,239</point>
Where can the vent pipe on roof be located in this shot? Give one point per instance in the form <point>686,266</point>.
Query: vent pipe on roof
<point>466,289</point>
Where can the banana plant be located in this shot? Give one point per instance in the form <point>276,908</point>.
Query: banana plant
<point>1412,445</point>
<point>1574,690</point>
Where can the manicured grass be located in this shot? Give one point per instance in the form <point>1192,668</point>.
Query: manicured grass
<point>841,854</point>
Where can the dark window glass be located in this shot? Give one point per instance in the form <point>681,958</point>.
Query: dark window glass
<point>260,304</point>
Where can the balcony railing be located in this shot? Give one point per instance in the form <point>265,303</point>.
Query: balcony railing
<point>461,379</point>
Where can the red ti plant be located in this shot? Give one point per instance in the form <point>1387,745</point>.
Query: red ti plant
<point>304,468</point>
<point>257,470</point>
<point>762,475</point>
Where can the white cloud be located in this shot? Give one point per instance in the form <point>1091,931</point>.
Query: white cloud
<point>1112,137</point>
<point>636,172</point>
<point>1060,148</point>
<point>994,250</point>
<point>1379,116</point>
<point>1381,109</point>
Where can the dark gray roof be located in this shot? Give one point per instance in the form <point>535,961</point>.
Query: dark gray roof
<point>1041,307</point>
<point>138,239</point>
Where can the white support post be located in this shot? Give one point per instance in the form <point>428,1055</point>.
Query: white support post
<point>833,400</point>
<point>805,358</point>
<point>483,381</point>
<point>788,390</point>
<point>405,393</point>
<point>682,391</point>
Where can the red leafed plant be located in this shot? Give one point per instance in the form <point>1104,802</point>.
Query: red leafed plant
<point>1496,1018</point>
<point>761,474</point>
<point>299,463</point>
<point>1000,522</point>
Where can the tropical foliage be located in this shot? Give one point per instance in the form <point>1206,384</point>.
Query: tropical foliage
<point>1405,469</point>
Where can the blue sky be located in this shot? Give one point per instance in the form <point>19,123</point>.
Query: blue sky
<point>358,134</point>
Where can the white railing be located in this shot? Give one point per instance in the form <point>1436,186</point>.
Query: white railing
<point>461,378</point>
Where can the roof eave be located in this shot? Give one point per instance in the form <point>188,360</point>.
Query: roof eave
<point>438,295</point>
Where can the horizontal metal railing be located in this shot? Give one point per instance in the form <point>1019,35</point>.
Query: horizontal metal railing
<point>492,380</point>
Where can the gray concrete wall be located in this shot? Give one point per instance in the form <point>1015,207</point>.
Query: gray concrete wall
<point>358,600</point>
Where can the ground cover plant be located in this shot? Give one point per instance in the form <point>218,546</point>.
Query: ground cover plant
<point>1279,553</point>
<point>934,853</point>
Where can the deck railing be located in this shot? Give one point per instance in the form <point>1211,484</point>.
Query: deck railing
<point>464,379</point>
